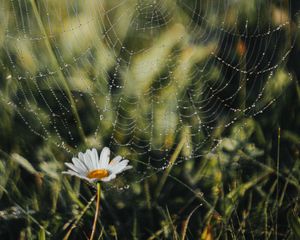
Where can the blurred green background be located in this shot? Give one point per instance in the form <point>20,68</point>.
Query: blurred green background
<point>201,96</point>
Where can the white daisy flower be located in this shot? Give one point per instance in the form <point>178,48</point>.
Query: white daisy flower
<point>89,167</point>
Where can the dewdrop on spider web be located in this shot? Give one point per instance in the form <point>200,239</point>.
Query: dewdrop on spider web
<point>90,167</point>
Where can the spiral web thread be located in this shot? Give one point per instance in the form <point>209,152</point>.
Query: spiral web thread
<point>141,75</point>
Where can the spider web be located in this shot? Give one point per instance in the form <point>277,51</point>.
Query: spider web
<point>140,75</point>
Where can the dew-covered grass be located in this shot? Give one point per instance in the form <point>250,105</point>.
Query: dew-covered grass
<point>202,97</point>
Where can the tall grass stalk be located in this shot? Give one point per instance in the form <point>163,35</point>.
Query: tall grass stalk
<point>277,181</point>
<point>74,225</point>
<point>170,165</point>
<point>60,73</point>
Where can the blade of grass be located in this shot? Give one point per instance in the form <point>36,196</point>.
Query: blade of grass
<point>135,227</point>
<point>240,191</point>
<point>60,73</point>
<point>290,179</point>
<point>25,212</point>
<point>294,223</point>
<point>42,234</point>
<point>186,222</point>
<point>74,225</point>
<point>169,168</point>
<point>277,180</point>
<point>156,234</point>
<point>207,233</point>
<point>171,223</point>
<point>199,195</point>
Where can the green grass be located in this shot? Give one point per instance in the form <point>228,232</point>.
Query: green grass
<point>64,89</point>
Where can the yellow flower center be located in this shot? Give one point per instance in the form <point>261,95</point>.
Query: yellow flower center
<point>98,173</point>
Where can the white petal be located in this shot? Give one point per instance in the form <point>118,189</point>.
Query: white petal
<point>109,178</point>
<point>91,180</point>
<point>72,173</point>
<point>116,160</point>
<point>104,158</point>
<point>74,168</point>
<point>114,163</point>
<point>88,161</point>
<point>119,167</point>
<point>81,156</point>
<point>79,164</point>
<point>91,157</point>
<point>127,167</point>
<point>95,157</point>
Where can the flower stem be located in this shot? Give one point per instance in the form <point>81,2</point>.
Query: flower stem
<point>97,210</point>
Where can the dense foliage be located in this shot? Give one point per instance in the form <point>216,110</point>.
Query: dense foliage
<point>61,81</point>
